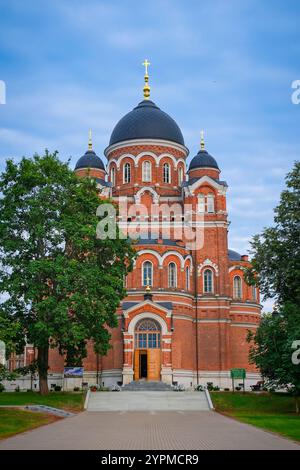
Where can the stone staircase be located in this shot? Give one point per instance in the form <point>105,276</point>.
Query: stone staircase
<point>146,386</point>
<point>147,400</point>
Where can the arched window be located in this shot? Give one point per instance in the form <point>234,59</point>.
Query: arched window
<point>208,281</point>
<point>187,278</point>
<point>113,176</point>
<point>254,294</point>
<point>201,203</point>
<point>147,334</point>
<point>210,203</point>
<point>180,176</point>
<point>172,275</point>
<point>237,287</point>
<point>146,170</point>
<point>166,173</point>
<point>127,173</point>
<point>147,273</point>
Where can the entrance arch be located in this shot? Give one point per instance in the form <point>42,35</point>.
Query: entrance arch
<point>147,349</point>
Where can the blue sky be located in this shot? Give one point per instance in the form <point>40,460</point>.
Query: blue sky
<point>222,65</point>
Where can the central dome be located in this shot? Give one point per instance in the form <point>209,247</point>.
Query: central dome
<point>146,121</point>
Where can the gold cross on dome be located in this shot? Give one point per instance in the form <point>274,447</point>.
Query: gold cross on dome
<point>146,64</point>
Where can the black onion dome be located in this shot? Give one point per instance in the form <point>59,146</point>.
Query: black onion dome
<point>90,160</point>
<point>234,255</point>
<point>146,121</point>
<point>203,160</point>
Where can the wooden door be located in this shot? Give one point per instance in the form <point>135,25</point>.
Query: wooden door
<point>154,364</point>
<point>136,364</point>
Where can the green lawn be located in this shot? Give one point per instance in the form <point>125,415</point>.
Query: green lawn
<point>271,411</point>
<point>71,401</point>
<point>13,421</point>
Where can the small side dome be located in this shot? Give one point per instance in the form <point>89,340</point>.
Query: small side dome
<point>203,160</point>
<point>90,160</point>
<point>234,255</point>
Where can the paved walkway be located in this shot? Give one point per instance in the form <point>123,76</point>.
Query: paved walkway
<point>182,430</point>
<point>148,401</point>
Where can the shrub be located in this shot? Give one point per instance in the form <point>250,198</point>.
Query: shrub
<point>57,388</point>
<point>2,388</point>
<point>226,389</point>
<point>17,389</point>
<point>76,389</point>
<point>216,388</point>
<point>210,386</point>
<point>238,388</point>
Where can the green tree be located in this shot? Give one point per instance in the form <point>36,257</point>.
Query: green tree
<point>275,350</point>
<point>276,251</point>
<point>276,270</point>
<point>62,283</point>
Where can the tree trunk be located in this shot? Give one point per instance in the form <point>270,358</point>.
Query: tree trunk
<point>297,404</point>
<point>42,360</point>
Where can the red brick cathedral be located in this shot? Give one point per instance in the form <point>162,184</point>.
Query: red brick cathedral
<point>187,311</point>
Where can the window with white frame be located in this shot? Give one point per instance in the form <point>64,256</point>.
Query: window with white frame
<point>254,294</point>
<point>127,173</point>
<point>208,281</point>
<point>147,273</point>
<point>180,176</point>
<point>201,202</point>
<point>237,287</point>
<point>172,275</point>
<point>210,203</point>
<point>146,171</point>
<point>187,278</point>
<point>166,173</point>
<point>113,176</point>
<point>206,203</point>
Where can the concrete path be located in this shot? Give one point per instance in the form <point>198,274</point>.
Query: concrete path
<point>147,401</point>
<point>182,430</point>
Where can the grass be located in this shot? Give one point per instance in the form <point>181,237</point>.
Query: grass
<point>270,411</point>
<point>66,400</point>
<point>13,421</point>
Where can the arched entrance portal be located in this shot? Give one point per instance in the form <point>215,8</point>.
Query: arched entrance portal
<point>147,351</point>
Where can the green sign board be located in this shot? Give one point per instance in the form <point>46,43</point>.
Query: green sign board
<point>238,373</point>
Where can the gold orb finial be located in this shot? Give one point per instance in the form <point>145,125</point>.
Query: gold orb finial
<point>146,88</point>
<point>90,140</point>
<point>148,288</point>
<point>202,143</point>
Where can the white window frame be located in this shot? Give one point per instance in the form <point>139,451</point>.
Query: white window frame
<point>187,278</point>
<point>172,281</point>
<point>113,176</point>
<point>210,203</point>
<point>144,280</point>
<point>166,173</point>
<point>127,173</point>
<point>201,203</point>
<point>146,171</point>
<point>211,291</point>
<point>237,291</point>
<point>180,176</point>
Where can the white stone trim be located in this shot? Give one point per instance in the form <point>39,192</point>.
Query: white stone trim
<point>208,264</point>
<point>232,268</point>
<point>161,258</point>
<point>148,142</point>
<point>137,196</point>
<point>147,303</point>
<point>153,316</point>
<point>205,179</point>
